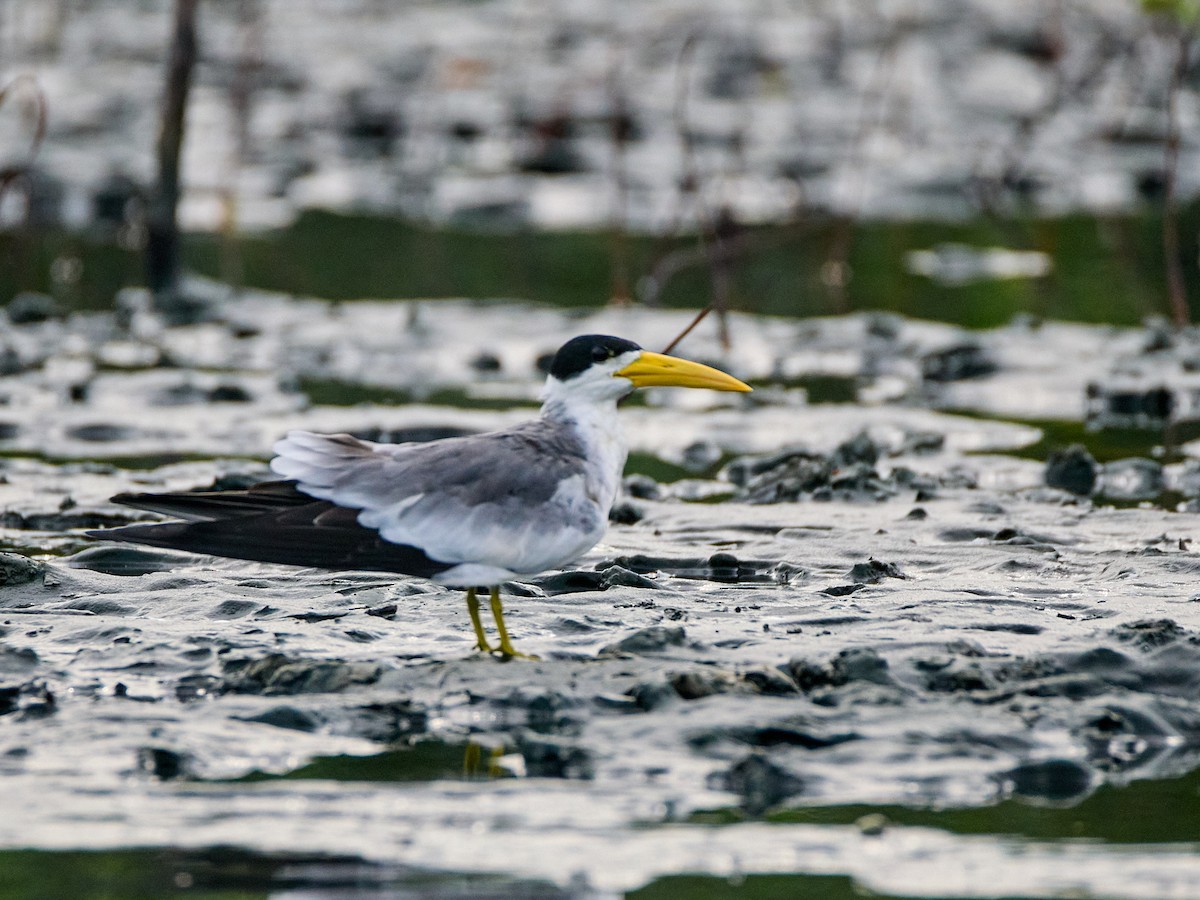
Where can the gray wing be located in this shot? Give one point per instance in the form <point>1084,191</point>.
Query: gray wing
<point>517,499</point>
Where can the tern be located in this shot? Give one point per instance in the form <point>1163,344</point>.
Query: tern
<point>466,512</point>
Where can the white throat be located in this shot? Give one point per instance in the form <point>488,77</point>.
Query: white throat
<point>593,417</point>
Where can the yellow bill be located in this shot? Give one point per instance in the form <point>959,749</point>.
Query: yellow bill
<point>660,370</point>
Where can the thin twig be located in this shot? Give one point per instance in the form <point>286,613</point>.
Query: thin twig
<point>700,316</point>
<point>162,239</point>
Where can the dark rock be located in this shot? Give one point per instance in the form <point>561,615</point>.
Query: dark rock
<point>654,639</point>
<point>1125,406</point>
<point>769,681</point>
<point>123,560</point>
<point>370,126</point>
<point>570,582</point>
<point>1073,469</point>
<point>16,569</point>
<point>29,307</point>
<point>288,717</point>
<point>314,616</point>
<point>11,362</point>
<point>1053,780</point>
<point>786,735</point>
<point>858,449</point>
<point>958,678</point>
<point>651,695</point>
<point>233,608</point>
<point>917,514</point>
<point>1099,659</point>
<point>873,571</point>
<point>702,683</point>
<point>859,664</point>
<point>760,783</point>
<point>9,698</point>
<point>387,611</point>
<point>843,590</point>
<point>797,475</point>
<point>957,535</point>
<point>809,675</point>
<point>956,363</point>
<point>101,433</point>
<point>642,487</point>
<point>486,362</point>
<point>229,393</point>
<point>546,758</point>
<point>625,514</point>
<point>33,699</point>
<point>618,576</point>
<point>744,469</point>
<point>725,567</point>
<point>920,443</point>
<point>555,156</point>
<point>786,573</point>
<point>278,674</point>
<point>1149,633</point>
<point>1010,627</point>
<point>163,764</point>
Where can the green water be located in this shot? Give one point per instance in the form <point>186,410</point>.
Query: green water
<point>1153,811</point>
<point>223,873</point>
<point>422,761</point>
<point>1105,269</point>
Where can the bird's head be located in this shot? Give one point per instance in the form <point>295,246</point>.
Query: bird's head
<point>601,367</point>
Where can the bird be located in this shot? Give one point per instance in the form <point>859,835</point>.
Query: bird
<point>467,512</point>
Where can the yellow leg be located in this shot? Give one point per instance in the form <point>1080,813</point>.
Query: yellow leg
<point>471,760</point>
<point>481,640</point>
<point>506,646</point>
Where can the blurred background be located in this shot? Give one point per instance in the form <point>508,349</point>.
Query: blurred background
<point>918,617</point>
<point>797,158</point>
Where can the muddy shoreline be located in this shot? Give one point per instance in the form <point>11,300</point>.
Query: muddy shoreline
<point>862,608</point>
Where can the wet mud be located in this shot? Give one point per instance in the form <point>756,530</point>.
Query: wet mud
<point>848,639</point>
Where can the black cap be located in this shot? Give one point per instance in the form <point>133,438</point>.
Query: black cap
<point>580,354</point>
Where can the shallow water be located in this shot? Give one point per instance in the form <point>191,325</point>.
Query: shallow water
<point>927,675</point>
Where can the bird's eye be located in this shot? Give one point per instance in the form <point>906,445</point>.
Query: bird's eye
<point>600,354</point>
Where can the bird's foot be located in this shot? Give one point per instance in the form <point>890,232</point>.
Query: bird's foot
<point>506,651</point>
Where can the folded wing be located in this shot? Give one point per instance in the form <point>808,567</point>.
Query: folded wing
<point>270,522</point>
<point>515,499</point>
